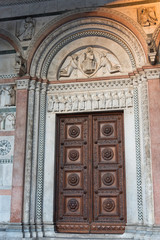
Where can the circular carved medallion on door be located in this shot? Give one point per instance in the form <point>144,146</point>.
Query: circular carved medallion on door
<point>108,205</point>
<point>73,179</point>
<point>73,205</point>
<point>73,155</point>
<point>107,130</point>
<point>74,131</point>
<point>107,154</point>
<point>108,179</point>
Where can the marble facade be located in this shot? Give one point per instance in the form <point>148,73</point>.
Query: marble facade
<point>83,56</point>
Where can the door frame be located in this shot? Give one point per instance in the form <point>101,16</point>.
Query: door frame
<point>134,136</point>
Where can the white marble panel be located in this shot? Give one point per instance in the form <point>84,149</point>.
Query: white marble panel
<point>48,200</point>
<point>5,202</point>
<point>130,160</point>
<point>7,175</point>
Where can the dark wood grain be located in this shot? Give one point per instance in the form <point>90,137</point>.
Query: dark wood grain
<point>90,173</point>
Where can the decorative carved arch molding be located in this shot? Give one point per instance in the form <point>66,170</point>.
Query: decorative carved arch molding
<point>11,39</point>
<point>82,32</point>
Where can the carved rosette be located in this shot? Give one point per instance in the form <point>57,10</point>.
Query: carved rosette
<point>107,130</point>
<point>73,205</point>
<point>107,154</point>
<point>108,179</point>
<point>108,205</point>
<point>74,131</point>
<point>73,155</point>
<point>73,179</point>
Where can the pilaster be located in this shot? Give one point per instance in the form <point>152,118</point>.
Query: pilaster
<point>28,158</point>
<point>154,113</point>
<point>19,150</point>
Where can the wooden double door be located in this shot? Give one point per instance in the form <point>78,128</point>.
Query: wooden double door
<point>90,174</point>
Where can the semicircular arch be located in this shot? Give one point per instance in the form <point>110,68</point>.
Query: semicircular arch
<point>12,40</point>
<point>76,28</point>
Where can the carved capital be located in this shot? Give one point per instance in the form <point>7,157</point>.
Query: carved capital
<point>43,88</point>
<point>32,85</point>
<point>22,84</point>
<point>152,73</point>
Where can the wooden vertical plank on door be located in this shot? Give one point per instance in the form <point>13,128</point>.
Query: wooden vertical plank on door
<point>108,174</point>
<point>73,175</point>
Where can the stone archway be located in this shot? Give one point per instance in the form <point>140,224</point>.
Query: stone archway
<point>123,89</point>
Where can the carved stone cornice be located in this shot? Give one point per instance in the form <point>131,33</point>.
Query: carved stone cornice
<point>89,86</point>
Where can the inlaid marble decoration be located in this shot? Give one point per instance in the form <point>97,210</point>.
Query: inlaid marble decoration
<point>6,149</point>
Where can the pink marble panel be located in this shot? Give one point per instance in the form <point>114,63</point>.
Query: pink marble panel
<point>19,156</point>
<point>154,112</point>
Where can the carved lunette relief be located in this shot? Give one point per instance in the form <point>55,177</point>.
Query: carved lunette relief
<point>89,62</point>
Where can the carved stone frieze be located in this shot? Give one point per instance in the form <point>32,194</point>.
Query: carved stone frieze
<point>89,62</point>
<point>147,16</point>
<point>90,86</point>
<point>25,29</point>
<point>7,96</point>
<point>90,101</point>
<point>7,121</point>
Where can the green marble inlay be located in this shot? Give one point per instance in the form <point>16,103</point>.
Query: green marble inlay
<point>7,109</point>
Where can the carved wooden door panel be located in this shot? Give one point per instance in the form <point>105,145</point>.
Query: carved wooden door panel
<point>90,184</point>
<point>108,173</point>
